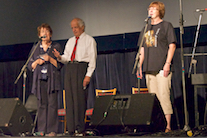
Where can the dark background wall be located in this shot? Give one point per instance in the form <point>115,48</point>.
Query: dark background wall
<point>20,18</point>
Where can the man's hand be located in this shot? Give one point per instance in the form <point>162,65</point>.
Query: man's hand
<point>56,54</point>
<point>86,81</point>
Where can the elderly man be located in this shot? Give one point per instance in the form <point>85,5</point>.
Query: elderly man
<point>80,58</point>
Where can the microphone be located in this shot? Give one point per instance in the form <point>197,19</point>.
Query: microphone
<point>201,10</point>
<point>147,19</point>
<point>44,36</point>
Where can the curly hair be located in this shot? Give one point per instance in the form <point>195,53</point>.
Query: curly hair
<point>44,25</point>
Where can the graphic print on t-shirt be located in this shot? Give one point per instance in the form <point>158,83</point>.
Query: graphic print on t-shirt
<point>151,38</point>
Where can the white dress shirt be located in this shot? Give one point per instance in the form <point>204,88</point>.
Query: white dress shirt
<point>85,51</point>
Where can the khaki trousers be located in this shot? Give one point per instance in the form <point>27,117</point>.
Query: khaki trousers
<point>161,87</point>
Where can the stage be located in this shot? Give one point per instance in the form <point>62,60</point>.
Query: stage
<point>200,131</point>
<point>18,122</point>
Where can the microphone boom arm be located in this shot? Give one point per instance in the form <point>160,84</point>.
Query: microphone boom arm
<point>137,56</point>
<point>24,69</point>
<point>136,64</point>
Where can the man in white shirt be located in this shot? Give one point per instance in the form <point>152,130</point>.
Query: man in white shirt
<point>80,58</point>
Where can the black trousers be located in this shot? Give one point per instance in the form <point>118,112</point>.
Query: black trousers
<point>47,110</point>
<point>76,96</point>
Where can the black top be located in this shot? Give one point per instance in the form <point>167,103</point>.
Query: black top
<point>53,73</point>
<point>156,44</point>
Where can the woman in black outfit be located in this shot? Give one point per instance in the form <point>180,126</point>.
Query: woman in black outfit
<point>46,80</point>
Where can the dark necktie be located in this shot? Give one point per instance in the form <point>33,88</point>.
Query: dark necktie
<point>73,54</point>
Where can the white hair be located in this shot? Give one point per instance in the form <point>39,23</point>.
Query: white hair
<point>80,22</point>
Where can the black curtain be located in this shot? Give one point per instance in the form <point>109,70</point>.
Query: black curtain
<point>115,70</point>
<point>8,74</point>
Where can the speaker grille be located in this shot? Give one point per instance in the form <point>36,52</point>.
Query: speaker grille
<point>14,118</point>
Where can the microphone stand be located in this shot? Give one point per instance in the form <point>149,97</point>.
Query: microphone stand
<point>137,64</point>
<point>186,127</point>
<point>24,70</point>
<point>194,48</point>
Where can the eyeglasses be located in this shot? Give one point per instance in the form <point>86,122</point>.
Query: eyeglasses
<point>44,31</point>
<point>152,8</point>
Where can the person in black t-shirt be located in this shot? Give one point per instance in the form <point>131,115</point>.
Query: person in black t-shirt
<point>156,56</point>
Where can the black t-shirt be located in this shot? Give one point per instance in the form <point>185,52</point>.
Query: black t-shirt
<point>156,44</point>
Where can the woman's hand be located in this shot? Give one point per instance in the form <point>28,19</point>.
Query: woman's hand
<point>166,69</point>
<point>46,57</point>
<point>36,62</point>
<point>139,73</point>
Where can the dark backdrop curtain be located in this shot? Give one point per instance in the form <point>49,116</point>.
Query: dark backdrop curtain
<point>8,74</point>
<point>115,70</point>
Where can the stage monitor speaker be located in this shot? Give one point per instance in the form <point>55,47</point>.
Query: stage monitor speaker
<point>130,110</point>
<point>14,118</point>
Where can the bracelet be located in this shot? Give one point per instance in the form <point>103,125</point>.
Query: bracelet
<point>42,58</point>
<point>168,63</point>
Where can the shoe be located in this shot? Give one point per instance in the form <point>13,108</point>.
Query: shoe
<point>40,133</point>
<point>68,134</point>
<point>167,130</point>
<point>52,134</point>
<point>78,134</point>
